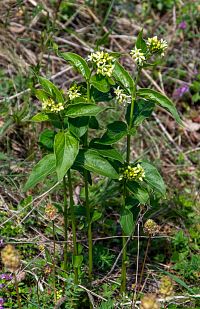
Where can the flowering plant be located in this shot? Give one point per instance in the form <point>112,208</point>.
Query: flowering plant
<point>76,113</point>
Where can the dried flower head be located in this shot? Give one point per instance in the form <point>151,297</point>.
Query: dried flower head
<point>50,212</point>
<point>138,56</point>
<point>157,46</point>
<point>73,92</point>
<point>133,173</point>
<point>166,286</point>
<point>47,269</point>
<point>151,227</point>
<point>10,258</point>
<point>149,301</point>
<point>121,97</point>
<point>49,105</point>
<point>104,62</point>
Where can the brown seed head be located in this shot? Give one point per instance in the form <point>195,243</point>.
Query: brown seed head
<point>149,302</point>
<point>151,227</point>
<point>10,258</point>
<point>50,212</point>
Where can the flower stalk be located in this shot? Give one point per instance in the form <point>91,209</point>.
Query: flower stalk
<point>65,224</point>
<point>73,218</point>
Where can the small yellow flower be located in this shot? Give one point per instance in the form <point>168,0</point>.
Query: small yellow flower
<point>73,92</point>
<point>156,45</point>
<point>58,294</point>
<point>49,105</point>
<point>121,97</point>
<point>133,173</point>
<point>138,56</point>
<point>103,61</point>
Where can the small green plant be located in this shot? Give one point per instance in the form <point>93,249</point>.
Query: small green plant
<point>74,114</point>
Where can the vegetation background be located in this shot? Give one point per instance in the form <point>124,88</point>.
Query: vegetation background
<point>29,33</point>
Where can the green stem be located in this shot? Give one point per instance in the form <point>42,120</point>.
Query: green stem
<point>17,292</point>
<point>87,204</point>
<point>124,246</point>
<point>144,261</point>
<point>54,262</point>
<point>90,253</point>
<point>128,152</point>
<point>65,222</point>
<point>73,218</point>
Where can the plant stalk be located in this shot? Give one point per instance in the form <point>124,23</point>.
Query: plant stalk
<point>65,223</point>
<point>54,262</point>
<point>124,246</point>
<point>73,218</point>
<point>17,292</point>
<point>87,203</point>
<point>128,152</point>
<point>144,261</point>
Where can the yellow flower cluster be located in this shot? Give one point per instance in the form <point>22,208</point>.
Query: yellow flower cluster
<point>149,301</point>
<point>151,227</point>
<point>73,92</point>
<point>10,258</point>
<point>138,56</point>
<point>104,62</point>
<point>133,173</point>
<point>122,98</point>
<point>156,45</point>
<point>166,287</point>
<point>49,105</point>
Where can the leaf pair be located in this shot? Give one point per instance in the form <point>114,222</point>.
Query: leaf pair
<point>66,148</point>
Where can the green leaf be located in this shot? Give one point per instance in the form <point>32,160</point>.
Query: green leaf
<point>50,88</point>
<point>142,110</point>
<point>41,170</point>
<point>95,163</point>
<point>78,62</point>
<point>138,191</point>
<point>41,95</point>
<point>66,148</point>
<point>78,126</point>
<point>3,156</point>
<point>99,96</point>
<point>162,100</point>
<point>106,305</point>
<point>126,221</point>
<point>83,109</point>
<point>115,131</point>
<point>153,178</point>
<point>46,139</point>
<point>100,82</point>
<point>107,151</point>
<point>96,216</point>
<point>93,123</point>
<point>77,260</point>
<point>140,42</point>
<point>40,117</point>
<point>124,78</point>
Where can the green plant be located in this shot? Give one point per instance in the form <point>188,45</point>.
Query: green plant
<point>75,114</point>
